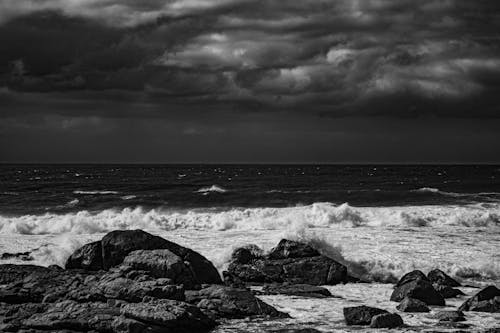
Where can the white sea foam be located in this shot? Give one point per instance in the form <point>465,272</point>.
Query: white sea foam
<point>312,216</point>
<point>129,197</point>
<point>213,188</point>
<point>95,192</point>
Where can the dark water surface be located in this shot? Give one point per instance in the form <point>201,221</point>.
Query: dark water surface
<point>34,189</point>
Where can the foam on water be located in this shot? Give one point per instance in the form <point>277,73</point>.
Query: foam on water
<point>312,216</point>
<point>213,188</point>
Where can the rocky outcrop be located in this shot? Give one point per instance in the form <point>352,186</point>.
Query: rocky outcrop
<point>416,285</point>
<point>361,315</point>
<point>409,304</point>
<point>227,302</point>
<point>142,291</point>
<point>117,245</point>
<point>486,300</point>
<point>302,290</point>
<point>289,261</point>
<point>450,316</point>
<point>386,320</point>
<point>437,276</point>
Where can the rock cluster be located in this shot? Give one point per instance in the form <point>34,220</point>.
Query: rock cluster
<point>130,281</point>
<point>289,261</point>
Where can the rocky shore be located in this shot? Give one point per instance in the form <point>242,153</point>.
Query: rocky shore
<point>132,281</point>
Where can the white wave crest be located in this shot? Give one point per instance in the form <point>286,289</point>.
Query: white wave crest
<point>318,215</point>
<point>213,188</point>
<point>95,192</point>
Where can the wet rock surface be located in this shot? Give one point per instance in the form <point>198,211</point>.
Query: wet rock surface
<point>416,285</point>
<point>409,304</point>
<point>129,282</point>
<point>289,261</point>
<point>302,290</point>
<point>361,315</point>
<point>486,300</point>
<point>386,320</point>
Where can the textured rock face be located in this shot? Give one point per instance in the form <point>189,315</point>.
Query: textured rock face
<point>412,305</point>
<point>291,262</point>
<point>117,245</point>
<point>227,302</point>
<point>88,257</point>
<point>450,316</point>
<point>416,285</point>
<point>304,290</point>
<point>169,314</point>
<point>447,291</point>
<point>386,320</point>
<point>437,276</point>
<point>361,315</point>
<point>487,300</point>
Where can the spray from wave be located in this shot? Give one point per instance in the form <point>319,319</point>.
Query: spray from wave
<point>212,189</point>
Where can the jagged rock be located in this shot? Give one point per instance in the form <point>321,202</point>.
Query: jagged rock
<point>361,315</point>
<point>290,262</point>
<point>447,291</point>
<point>486,300</point>
<point>169,314</point>
<point>14,273</point>
<point>416,285</point>
<point>226,302</point>
<point>386,320</point>
<point>23,256</point>
<point>87,257</point>
<point>244,255</point>
<point>409,304</point>
<point>162,264</point>
<point>75,316</point>
<point>291,249</point>
<point>450,316</point>
<point>437,276</point>
<point>303,290</point>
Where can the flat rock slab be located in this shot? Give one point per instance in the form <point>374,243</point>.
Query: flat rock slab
<point>303,290</point>
<point>361,315</point>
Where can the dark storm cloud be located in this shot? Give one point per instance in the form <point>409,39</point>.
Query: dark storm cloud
<point>335,58</point>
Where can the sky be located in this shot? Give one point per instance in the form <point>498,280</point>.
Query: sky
<point>250,81</point>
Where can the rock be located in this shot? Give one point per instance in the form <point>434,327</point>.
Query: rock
<point>416,285</point>
<point>134,291</point>
<point>14,273</point>
<point>75,316</point>
<point>291,249</point>
<point>174,315</point>
<point>87,257</point>
<point>412,305</point>
<point>386,320</point>
<point>437,276</point>
<point>450,316</point>
<point>284,264</point>
<point>361,315</point>
<point>162,264</point>
<point>447,291</point>
<point>411,276</point>
<point>244,255</point>
<point>23,256</point>
<point>116,245</point>
<point>303,290</point>
<point>486,300</point>
<point>226,302</point>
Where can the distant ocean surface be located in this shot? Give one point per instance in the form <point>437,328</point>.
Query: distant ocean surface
<point>380,221</point>
<point>36,189</point>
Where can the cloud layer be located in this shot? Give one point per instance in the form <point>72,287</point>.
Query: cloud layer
<point>332,58</point>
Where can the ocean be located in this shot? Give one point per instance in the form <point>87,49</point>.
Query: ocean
<point>381,221</point>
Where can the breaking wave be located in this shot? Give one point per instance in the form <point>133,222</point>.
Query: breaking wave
<point>95,192</point>
<point>213,188</point>
<point>318,215</point>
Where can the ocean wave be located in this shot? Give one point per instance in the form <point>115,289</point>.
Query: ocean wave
<point>318,215</point>
<point>212,189</point>
<point>95,192</point>
<point>128,197</point>
<point>454,194</point>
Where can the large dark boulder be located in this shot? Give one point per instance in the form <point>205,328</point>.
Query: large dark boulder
<point>172,316</point>
<point>416,285</point>
<point>226,302</point>
<point>117,245</point>
<point>87,257</point>
<point>291,249</point>
<point>361,315</point>
<point>409,304</point>
<point>290,262</point>
<point>486,300</point>
<point>437,276</point>
<point>386,320</point>
<point>302,290</point>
